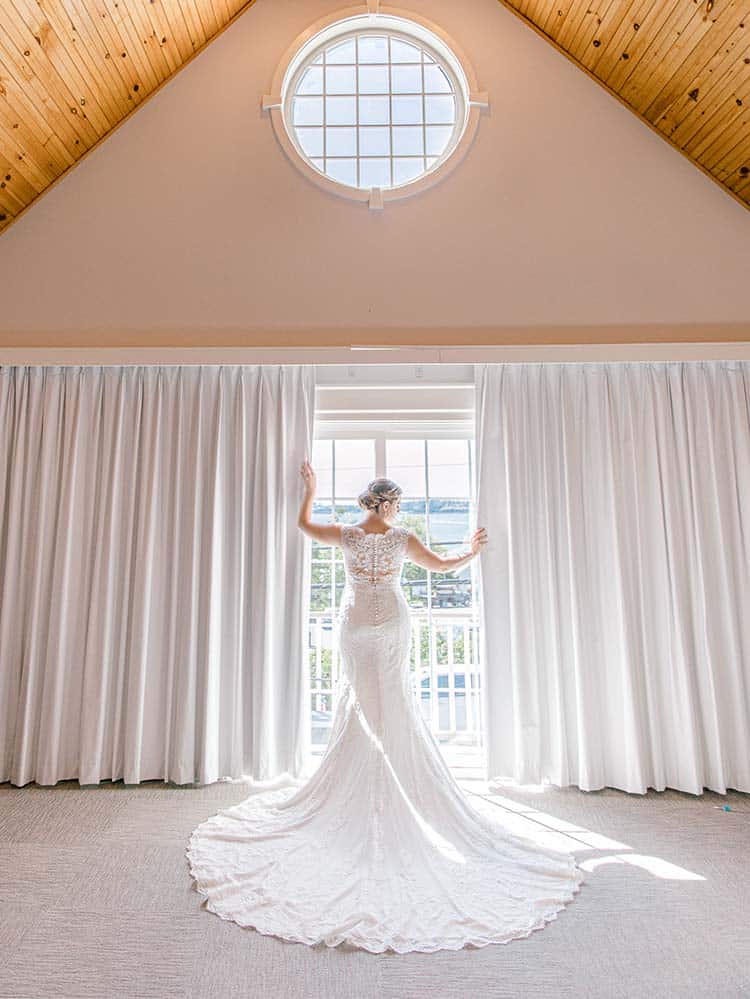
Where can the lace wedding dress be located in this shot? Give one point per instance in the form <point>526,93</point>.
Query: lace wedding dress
<point>381,848</point>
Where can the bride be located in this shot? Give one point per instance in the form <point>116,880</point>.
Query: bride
<point>380,849</point>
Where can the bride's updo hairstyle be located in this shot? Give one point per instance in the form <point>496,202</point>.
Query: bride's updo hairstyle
<point>378,491</point>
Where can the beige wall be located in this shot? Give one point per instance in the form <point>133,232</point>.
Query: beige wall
<point>568,221</point>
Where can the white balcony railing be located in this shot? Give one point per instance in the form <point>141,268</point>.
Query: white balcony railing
<point>444,668</point>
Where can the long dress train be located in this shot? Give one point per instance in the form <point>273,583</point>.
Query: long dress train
<point>381,848</point>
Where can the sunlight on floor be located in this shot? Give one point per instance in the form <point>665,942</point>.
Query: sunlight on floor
<point>654,865</point>
<point>548,830</point>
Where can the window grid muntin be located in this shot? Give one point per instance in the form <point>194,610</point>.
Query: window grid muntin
<point>319,59</point>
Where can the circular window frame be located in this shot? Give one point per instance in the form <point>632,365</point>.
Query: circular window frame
<point>416,29</point>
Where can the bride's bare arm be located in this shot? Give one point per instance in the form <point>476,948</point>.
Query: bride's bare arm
<point>328,534</point>
<point>429,559</point>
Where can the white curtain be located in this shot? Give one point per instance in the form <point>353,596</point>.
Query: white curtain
<point>153,581</point>
<point>614,589</point>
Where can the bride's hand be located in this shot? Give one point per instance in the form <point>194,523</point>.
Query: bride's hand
<point>308,476</point>
<point>478,540</point>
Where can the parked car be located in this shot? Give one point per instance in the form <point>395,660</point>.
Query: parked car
<point>450,593</point>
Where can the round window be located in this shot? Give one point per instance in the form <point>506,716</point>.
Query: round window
<point>374,105</point>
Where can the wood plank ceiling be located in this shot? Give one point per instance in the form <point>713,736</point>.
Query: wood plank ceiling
<point>71,71</point>
<point>683,66</point>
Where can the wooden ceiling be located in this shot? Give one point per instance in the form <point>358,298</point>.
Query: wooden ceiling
<point>71,71</point>
<point>683,66</point>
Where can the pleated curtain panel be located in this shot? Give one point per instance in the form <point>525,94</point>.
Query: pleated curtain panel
<point>614,590</point>
<point>153,581</point>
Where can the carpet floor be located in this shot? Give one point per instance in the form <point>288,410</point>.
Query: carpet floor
<point>96,901</point>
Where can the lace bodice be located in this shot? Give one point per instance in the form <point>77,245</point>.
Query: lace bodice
<point>372,558</point>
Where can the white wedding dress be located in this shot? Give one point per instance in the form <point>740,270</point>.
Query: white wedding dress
<point>381,848</point>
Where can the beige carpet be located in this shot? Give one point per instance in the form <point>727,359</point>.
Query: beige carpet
<point>97,901</point>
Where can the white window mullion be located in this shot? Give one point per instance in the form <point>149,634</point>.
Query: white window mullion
<point>379,457</point>
<point>468,673</point>
<point>451,678</point>
<point>434,689</point>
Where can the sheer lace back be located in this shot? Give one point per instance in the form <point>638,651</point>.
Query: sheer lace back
<point>372,558</point>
